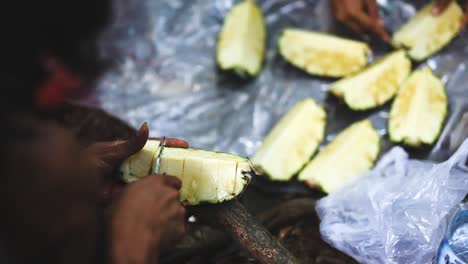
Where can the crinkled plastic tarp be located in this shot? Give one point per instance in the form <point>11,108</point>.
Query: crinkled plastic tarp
<point>398,212</point>
<point>167,74</point>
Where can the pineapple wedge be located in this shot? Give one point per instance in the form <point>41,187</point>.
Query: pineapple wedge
<point>292,142</point>
<point>323,54</point>
<point>425,34</point>
<point>207,177</point>
<point>241,43</point>
<point>419,110</point>
<point>375,85</point>
<point>352,152</point>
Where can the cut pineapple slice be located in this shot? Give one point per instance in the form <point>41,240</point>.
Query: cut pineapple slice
<point>292,142</point>
<point>375,85</point>
<point>206,176</point>
<point>241,44</point>
<point>424,34</point>
<point>419,110</point>
<point>322,54</point>
<point>352,152</point>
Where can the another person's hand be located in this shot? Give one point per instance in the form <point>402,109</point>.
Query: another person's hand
<point>441,5</point>
<point>360,16</point>
<point>107,156</point>
<point>147,219</point>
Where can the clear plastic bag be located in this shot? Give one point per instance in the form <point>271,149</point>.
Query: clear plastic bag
<point>397,212</point>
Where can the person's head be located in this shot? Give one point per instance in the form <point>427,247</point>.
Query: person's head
<point>48,192</point>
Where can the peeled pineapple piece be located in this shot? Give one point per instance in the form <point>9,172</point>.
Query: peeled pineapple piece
<point>375,85</point>
<point>425,34</point>
<point>323,54</point>
<point>292,142</point>
<point>207,177</point>
<point>419,110</point>
<point>140,164</point>
<point>241,44</point>
<point>352,152</point>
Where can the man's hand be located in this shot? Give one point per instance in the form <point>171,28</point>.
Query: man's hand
<point>147,219</point>
<point>145,216</point>
<point>107,156</point>
<point>360,16</point>
<point>441,5</point>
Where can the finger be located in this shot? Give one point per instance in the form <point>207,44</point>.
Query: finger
<point>338,11</point>
<point>362,19</point>
<point>116,151</point>
<point>136,143</point>
<point>170,181</point>
<point>381,32</point>
<point>180,213</point>
<point>173,182</point>
<point>174,208</point>
<point>356,28</point>
<point>440,7</point>
<point>372,9</point>
<point>173,142</point>
<point>166,180</point>
<point>335,7</point>
<point>370,24</point>
<point>179,223</point>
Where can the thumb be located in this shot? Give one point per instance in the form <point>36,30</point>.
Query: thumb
<point>136,143</point>
<point>117,151</point>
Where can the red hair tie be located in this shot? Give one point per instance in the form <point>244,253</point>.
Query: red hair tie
<point>60,84</point>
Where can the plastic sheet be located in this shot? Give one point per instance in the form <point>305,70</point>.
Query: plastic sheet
<point>167,75</point>
<point>398,212</point>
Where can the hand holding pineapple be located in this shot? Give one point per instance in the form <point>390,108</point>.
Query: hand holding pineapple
<point>107,156</point>
<point>146,217</point>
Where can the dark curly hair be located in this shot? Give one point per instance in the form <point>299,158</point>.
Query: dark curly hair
<point>31,30</point>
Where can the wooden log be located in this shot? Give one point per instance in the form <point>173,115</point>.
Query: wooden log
<point>234,218</point>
